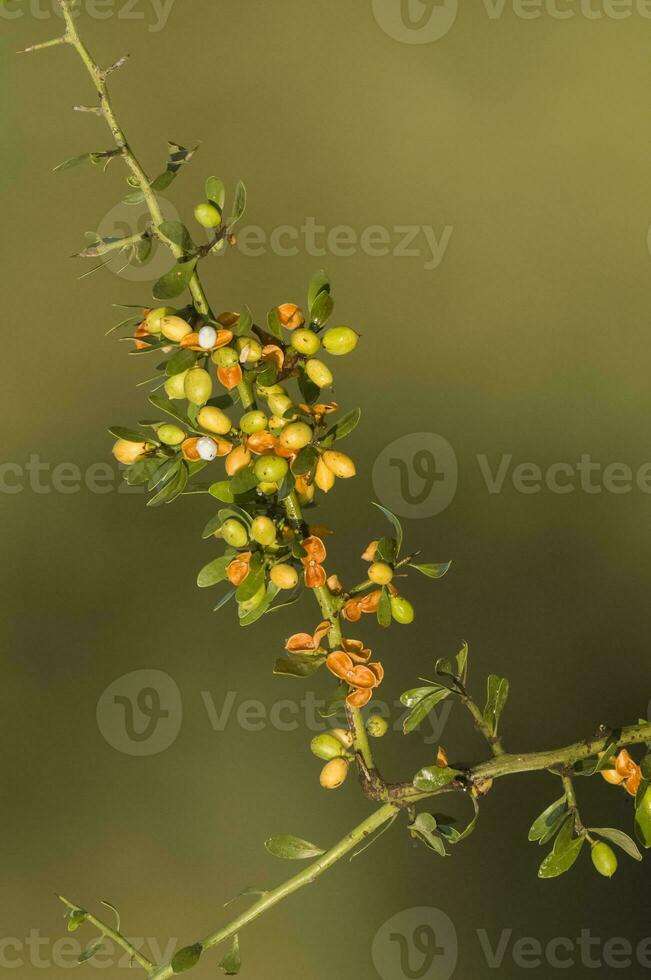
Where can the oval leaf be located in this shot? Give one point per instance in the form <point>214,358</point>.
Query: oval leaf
<point>292,848</point>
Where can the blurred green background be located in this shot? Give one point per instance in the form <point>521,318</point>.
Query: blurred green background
<point>529,139</point>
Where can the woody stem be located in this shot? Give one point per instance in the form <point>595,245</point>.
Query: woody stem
<point>140,178</point>
<point>330,611</point>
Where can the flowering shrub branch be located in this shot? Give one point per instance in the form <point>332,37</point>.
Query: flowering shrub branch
<point>276,460</point>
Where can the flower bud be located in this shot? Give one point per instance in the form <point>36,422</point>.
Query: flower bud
<point>402,610</point>
<point>208,215</point>
<point>290,316</point>
<point>263,530</point>
<point>604,859</point>
<point>380,572</point>
<point>340,340</point>
<point>129,452</point>
<point>326,747</point>
<point>270,469</point>
<point>341,465</point>
<point>334,773</point>
<point>377,726</point>
<point>296,436</point>
<point>212,419</point>
<point>319,374</point>
<point>234,533</point>
<point>253,422</point>
<point>237,460</point>
<point>305,342</point>
<point>207,449</point>
<point>207,337</point>
<point>154,319</point>
<point>170,435</point>
<point>174,328</point>
<point>175,385</point>
<point>197,386</point>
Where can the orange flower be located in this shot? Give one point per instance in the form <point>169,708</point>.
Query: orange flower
<point>626,772</point>
<point>319,411</point>
<point>369,553</point>
<point>230,377</point>
<point>304,643</point>
<point>442,758</point>
<point>362,678</point>
<point>368,603</point>
<point>262,443</point>
<point>304,489</point>
<point>352,610</point>
<point>315,574</point>
<point>191,340</point>
<point>272,352</point>
<point>239,568</point>
<point>290,316</point>
<point>141,332</point>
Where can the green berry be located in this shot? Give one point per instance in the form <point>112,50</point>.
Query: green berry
<point>270,469</point>
<point>604,859</point>
<point>208,215</point>
<point>377,726</point>
<point>296,436</point>
<point>305,341</point>
<point>253,422</point>
<point>402,610</point>
<point>170,435</point>
<point>197,386</point>
<point>234,533</point>
<point>175,385</point>
<point>319,374</point>
<point>225,357</point>
<point>153,320</point>
<point>326,747</point>
<point>340,340</point>
<point>263,530</point>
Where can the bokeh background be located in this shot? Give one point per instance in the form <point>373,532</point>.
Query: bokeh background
<point>527,138</point>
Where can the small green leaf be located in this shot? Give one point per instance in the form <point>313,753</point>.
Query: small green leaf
<point>643,814</point>
<point>384,609</point>
<point>542,824</point>
<point>422,708</point>
<point>239,207</point>
<point>292,848</point>
<point>187,958</point>
<point>454,836</point>
<point>432,571</point>
<point>223,491</point>
<point>174,282</point>
<point>434,777</point>
<point>243,481</point>
<point>250,891</point>
<point>322,308</point>
<point>557,864</point>
<point>90,950</point>
<point>179,362</point>
<point>462,662</point>
<point>72,162</point>
<point>395,522</point>
<point>318,284</point>
<point>498,692</point>
<point>167,406</point>
<point>274,326</point>
<point>130,435</point>
<point>216,192</point>
<point>232,962</point>
<point>424,829</point>
<point>305,461</point>
<point>177,233</point>
<point>214,572</point>
<point>346,424</point>
<point>299,664</point>
<point>619,838</point>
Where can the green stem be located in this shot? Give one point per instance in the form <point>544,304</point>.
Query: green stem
<point>348,843</point>
<point>106,109</point>
<point>113,935</point>
<point>480,722</point>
